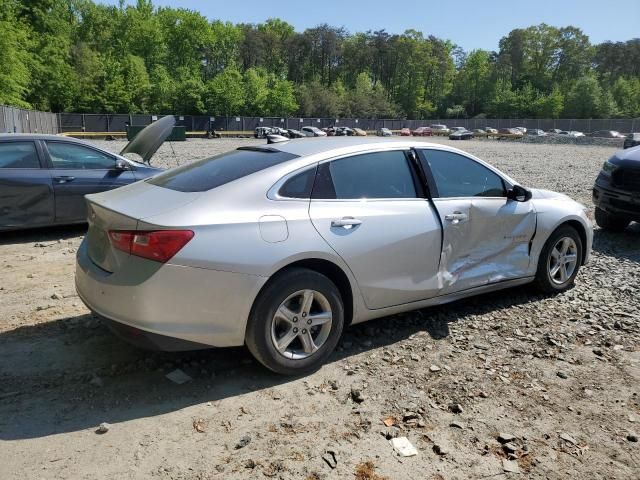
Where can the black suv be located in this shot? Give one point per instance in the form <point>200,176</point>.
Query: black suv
<point>616,193</point>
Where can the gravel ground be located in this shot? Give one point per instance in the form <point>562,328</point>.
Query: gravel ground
<point>512,381</point>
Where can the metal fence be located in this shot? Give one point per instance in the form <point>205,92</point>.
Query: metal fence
<point>79,122</point>
<point>18,120</point>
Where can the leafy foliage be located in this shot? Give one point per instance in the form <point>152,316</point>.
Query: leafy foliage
<point>76,55</point>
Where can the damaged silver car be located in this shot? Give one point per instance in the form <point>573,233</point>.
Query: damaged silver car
<point>281,246</point>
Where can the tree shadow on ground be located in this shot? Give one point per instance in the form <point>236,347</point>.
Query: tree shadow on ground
<point>45,234</point>
<point>46,369</point>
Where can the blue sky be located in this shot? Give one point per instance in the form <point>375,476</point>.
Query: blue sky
<point>468,23</point>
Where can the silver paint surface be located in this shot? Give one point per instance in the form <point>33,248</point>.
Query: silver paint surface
<point>397,258</point>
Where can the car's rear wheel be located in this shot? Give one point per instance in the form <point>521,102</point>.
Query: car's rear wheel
<point>559,260</point>
<point>608,221</point>
<point>296,322</point>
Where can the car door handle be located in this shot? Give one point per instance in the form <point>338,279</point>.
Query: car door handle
<point>456,217</point>
<point>64,179</point>
<point>346,222</point>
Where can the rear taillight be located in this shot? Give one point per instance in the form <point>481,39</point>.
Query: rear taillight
<point>156,245</point>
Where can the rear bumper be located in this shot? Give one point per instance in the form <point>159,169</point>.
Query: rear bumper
<point>617,202</point>
<point>200,307</point>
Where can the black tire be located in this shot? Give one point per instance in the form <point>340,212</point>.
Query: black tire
<point>258,335</point>
<point>543,277</point>
<point>611,222</point>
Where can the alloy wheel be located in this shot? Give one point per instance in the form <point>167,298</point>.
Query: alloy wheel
<point>301,324</point>
<point>563,260</point>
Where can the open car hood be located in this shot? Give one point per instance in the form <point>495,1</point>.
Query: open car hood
<point>147,142</point>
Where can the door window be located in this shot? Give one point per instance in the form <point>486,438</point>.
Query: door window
<point>459,176</point>
<point>371,175</point>
<point>18,155</point>
<point>77,157</point>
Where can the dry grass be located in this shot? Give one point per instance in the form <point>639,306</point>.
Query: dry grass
<point>366,471</point>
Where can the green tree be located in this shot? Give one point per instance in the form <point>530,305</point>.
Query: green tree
<point>225,94</point>
<point>281,100</point>
<point>584,99</point>
<point>256,90</point>
<point>14,68</point>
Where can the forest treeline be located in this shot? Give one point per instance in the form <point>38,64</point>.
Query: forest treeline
<point>76,55</point>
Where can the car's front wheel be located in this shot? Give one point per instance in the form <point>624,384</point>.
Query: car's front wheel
<point>608,221</point>
<point>296,322</point>
<point>559,260</point>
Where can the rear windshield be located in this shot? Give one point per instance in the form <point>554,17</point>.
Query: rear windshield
<point>212,172</point>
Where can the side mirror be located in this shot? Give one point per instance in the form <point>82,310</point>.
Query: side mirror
<point>519,194</point>
<point>121,164</point>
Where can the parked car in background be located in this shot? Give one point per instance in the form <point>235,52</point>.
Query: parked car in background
<point>405,132</point>
<point>616,193</point>
<point>536,132</point>
<point>480,132</point>
<point>313,132</point>
<point>606,134</point>
<point>359,132</point>
<point>360,242</point>
<point>490,130</point>
<point>44,178</point>
<point>463,134</point>
<point>262,132</point>
<point>554,131</point>
<point>632,140</point>
<point>344,132</point>
<point>456,129</point>
<point>385,132</point>
<point>510,132</point>
<point>571,133</point>
<point>521,129</point>
<point>439,129</point>
<point>422,132</point>
<point>293,133</point>
<point>279,131</point>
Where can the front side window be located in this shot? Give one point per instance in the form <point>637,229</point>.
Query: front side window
<point>18,155</point>
<point>76,157</point>
<point>370,175</point>
<point>459,176</point>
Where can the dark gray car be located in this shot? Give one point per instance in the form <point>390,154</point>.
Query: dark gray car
<point>44,178</point>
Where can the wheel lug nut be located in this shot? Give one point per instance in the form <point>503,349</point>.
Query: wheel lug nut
<point>304,314</point>
<point>295,330</point>
<point>295,319</point>
<point>304,330</point>
<point>309,322</point>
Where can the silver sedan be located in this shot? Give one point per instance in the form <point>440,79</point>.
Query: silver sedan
<point>280,246</point>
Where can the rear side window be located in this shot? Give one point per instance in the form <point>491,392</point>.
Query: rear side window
<point>299,186</point>
<point>371,175</point>
<point>459,176</point>
<point>215,171</point>
<point>18,155</point>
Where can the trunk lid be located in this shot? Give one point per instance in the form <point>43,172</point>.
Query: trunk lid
<point>147,142</point>
<point>123,209</point>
